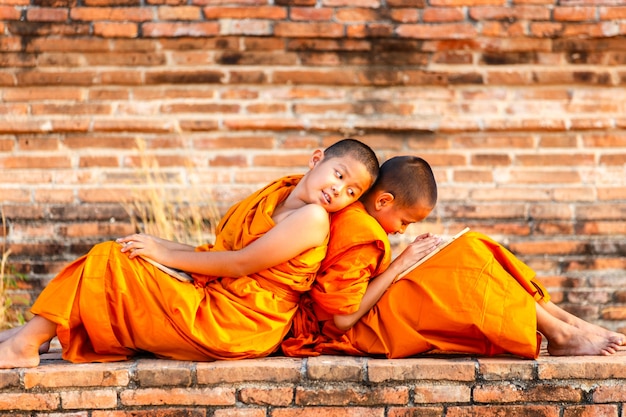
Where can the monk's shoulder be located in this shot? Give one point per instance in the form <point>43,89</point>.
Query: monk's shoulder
<point>355,224</point>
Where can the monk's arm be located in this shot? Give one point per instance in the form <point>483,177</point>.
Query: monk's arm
<point>422,245</point>
<point>304,229</point>
<point>376,288</point>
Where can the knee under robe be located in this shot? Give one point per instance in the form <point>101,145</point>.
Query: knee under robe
<point>108,307</point>
<point>473,297</point>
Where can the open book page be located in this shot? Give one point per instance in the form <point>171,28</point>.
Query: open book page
<point>176,273</point>
<point>433,253</point>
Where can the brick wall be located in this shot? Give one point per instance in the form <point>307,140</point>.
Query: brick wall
<point>518,105</point>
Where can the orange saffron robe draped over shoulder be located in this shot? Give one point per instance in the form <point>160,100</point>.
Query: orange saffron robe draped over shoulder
<point>108,307</point>
<point>355,254</point>
<point>473,297</point>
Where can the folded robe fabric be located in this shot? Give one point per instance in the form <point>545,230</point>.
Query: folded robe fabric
<point>355,255</point>
<point>108,307</point>
<point>473,297</point>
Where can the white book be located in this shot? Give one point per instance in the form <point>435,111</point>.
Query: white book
<point>176,273</point>
<point>435,251</point>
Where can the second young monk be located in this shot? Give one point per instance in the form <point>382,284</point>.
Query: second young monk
<point>473,297</point>
<point>111,304</point>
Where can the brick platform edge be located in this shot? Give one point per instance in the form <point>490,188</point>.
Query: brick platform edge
<point>330,386</point>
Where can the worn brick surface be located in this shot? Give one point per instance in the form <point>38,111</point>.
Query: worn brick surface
<point>150,373</point>
<point>494,369</point>
<point>380,370</point>
<point>178,396</point>
<point>335,368</point>
<point>79,375</point>
<point>268,370</point>
<point>342,396</point>
<point>282,396</point>
<point>593,367</point>
<point>421,386</point>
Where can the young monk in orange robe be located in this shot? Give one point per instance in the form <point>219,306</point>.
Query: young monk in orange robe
<point>111,304</point>
<point>472,297</point>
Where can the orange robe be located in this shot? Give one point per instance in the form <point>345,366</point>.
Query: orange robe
<point>355,255</point>
<point>473,297</point>
<point>108,307</point>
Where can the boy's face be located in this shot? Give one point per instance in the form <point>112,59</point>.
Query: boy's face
<point>335,183</point>
<point>395,218</point>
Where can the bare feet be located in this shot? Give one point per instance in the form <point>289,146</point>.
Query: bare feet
<point>584,326</point>
<point>14,354</point>
<point>21,348</point>
<point>614,337</point>
<point>572,341</point>
<point>9,333</point>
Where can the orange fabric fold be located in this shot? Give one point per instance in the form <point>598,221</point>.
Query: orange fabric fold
<point>355,255</point>
<point>108,307</point>
<point>472,297</point>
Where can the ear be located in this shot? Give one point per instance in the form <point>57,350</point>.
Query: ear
<point>316,158</point>
<point>384,199</point>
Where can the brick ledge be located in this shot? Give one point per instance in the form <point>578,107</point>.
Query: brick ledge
<point>320,386</point>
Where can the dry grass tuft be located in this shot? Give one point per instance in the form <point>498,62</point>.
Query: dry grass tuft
<point>5,277</point>
<point>164,207</point>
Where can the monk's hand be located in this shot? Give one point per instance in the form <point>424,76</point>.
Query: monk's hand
<point>420,247</point>
<point>140,244</point>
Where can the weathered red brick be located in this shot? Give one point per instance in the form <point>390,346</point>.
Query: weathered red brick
<point>509,410</point>
<point>8,12</point>
<point>196,29</point>
<point>428,369</point>
<point>512,393</point>
<point>281,396</point>
<point>329,412</point>
<point>91,375</point>
<point>111,14</point>
<point>440,31</point>
<point>29,401</point>
<point>441,393</point>
<point>116,30</point>
<point>268,370</point>
<point>351,396</point>
<point>154,373</point>
<point>46,14</point>
<point>98,399</point>
<point>178,396</point>
<point>308,14</point>
<point>259,12</point>
<point>415,412</point>
<point>309,30</point>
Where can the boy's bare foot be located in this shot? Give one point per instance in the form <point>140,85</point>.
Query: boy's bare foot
<point>573,341</point>
<point>614,337</point>
<point>14,354</point>
<point>9,333</point>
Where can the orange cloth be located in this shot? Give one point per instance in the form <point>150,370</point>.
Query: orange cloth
<point>473,297</point>
<point>355,255</point>
<point>109,307</point>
